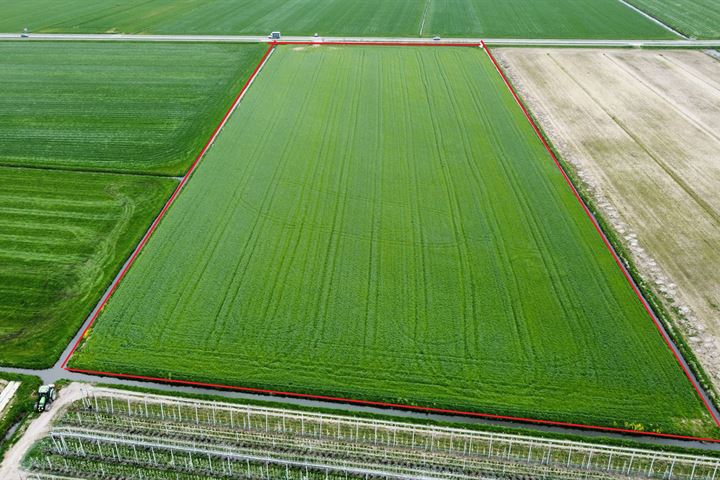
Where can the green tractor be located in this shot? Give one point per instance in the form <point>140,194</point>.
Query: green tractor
<point>46,395</point>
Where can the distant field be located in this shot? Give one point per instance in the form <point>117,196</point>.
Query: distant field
<point>63,236</point>
<point>487,18</point>
<point>539,19</point>
<point>695,18</point>
<point>302,17</point>
<point>382,223</point>
<point>106,106</point>
<point>642,126</point>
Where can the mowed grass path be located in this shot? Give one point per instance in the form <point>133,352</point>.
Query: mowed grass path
<point>695,18</point>
<point>382,223</point>
<point>63,236</point>
<point>133,107</point>
<point>487,18</point>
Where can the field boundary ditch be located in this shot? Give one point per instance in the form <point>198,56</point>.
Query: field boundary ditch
<point>372,403</point>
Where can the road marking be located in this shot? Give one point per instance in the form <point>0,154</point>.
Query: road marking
<point>531,42</point>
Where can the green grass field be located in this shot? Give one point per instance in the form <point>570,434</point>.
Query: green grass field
<point>63,236</point>
<point>383,223</point>
<point>694,18</point>
<point>488,18</point>
<point>137,107</point>
<point>539,19</point>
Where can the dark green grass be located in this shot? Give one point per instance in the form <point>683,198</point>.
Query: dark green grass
<point>694,18</point>
<point>63,236</point>
<point>487,18</point>
<point>386,225</point>
<point>131,107</point>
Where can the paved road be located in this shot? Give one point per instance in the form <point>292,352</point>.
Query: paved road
<point>680,43</point>
<point>54,374</point>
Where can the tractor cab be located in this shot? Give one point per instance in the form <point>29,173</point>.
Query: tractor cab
<point>46,395</point>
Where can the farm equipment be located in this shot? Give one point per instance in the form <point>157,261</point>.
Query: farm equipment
<point>46,395</point>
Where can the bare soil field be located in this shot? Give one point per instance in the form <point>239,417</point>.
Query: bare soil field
<point>641,130</point>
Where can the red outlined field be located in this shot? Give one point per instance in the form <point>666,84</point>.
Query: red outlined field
<point>441,323</point>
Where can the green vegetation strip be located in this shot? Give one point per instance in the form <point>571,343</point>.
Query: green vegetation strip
<point>486,18</point>
<point>383,223</point>
<point>63,236</point>
<point>105,106</point>
<point>19,410</point>
<point>694,18</point>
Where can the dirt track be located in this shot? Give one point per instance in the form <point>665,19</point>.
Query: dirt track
<point>641,127</point>
<point>37,429</point>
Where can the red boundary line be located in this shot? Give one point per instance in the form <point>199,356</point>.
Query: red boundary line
<point>165,208</point>
<point>372,403</point>
<point>399,406</point>
<point>595,223</point>
<point>383,44</point>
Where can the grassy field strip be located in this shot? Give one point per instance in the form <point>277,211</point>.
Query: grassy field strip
<point>136,107</point>
<point>694,18</point>
<point>301,17</point>
<point>62,237</point>
<point>376,18</point>
<point>618,125</point>
<point>394,237</point>
<point>167,205</point>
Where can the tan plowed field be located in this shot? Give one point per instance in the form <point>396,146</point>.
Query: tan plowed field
<point>642,128</point>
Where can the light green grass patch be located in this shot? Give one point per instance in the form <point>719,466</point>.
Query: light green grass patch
<point>383,223</point>
<point>131,107</point>
<point>63,236</point>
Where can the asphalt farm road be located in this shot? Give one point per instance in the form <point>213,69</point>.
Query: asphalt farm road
<point>493,42</point>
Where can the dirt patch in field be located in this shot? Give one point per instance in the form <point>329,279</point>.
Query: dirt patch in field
<point>641,130</point>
